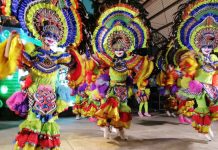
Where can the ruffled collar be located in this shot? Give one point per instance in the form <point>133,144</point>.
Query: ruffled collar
<point>46,51</point>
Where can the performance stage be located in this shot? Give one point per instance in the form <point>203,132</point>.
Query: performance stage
<point>156,133</point>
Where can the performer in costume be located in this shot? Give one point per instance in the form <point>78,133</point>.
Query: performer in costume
<point>201,118</point>
<point>93,104</point>
<point>142,97</point>
<point>117,35</point>
<point>198,32</point>
<point>171,104</point>
<point>92,72</point>
<point>166,79</point>
<point>54,24</point>
<point>80,105</point>
<point>188,66</point>
<point>97,95</point>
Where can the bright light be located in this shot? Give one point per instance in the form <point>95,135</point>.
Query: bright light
<point>23,41</point>
<point>4,89</point>
<point>10,77</point>
<point>6,34</point>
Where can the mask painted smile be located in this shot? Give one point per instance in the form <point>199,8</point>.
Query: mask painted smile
<point>119,53</point>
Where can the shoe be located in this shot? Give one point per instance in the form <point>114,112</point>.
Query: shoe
<point>208,137</point>
<point>147,114</point>
<point>211,133</point>
<point>140,114</point>
<point>187,120</point>
<point>77,117</point>
<point>92,119</point>
<point>181,119</point>
<point>168,113</point>
<point>114,130</point>
<point>106,132</point>
<point>122,134</point>
<point>173,115</point>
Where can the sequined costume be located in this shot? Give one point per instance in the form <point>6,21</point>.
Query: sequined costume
<point>197,31</point>
<point>119,33</point>
<point>49,22</point>
<point>40,128</point>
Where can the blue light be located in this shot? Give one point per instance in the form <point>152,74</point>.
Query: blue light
<point>25,37</point>
<point>6,33</point>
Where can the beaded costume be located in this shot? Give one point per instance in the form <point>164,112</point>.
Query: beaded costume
<point>54,23</point>
<point>198,33</point>
<point>118,33</point>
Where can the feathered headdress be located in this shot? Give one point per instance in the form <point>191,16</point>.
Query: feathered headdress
<point>199,26</point>
<point>57,18</point>
<point>120,27</point>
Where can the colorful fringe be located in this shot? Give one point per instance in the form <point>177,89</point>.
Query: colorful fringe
<point>31,147</point>
<point>33,133</point>
<point>27,136</point>
<point>214,112</point>
<point>77,109</point>
<point>80,108</point>
<point>18,103</point>
<point>186,108</point>
<point>118,114</point>
<point>201,123</point>
<point>91,109</point>
<point>61,106</point>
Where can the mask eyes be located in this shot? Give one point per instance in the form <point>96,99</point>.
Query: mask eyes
<point>207,46</point>
<point>210,47</point>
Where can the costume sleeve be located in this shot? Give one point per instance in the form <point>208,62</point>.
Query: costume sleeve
<point>10,52</point>
<point>107,60</point>
<point>28,54</point>
<point>131,63</point>
<point>187,94</point>
<point>61,106</point>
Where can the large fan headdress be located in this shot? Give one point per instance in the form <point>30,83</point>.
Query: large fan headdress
<point>57,17</point>
<point>200,25</point>
<point>120,24</point>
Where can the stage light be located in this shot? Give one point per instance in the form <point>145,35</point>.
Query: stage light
<point>6,34</point>
<point>4,89</point>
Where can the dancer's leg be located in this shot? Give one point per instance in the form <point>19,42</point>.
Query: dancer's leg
<point>122,134</point>
<point>146,109</point>
<point>140,109</point>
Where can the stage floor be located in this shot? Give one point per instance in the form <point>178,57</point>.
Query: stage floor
<point>156,133</point>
